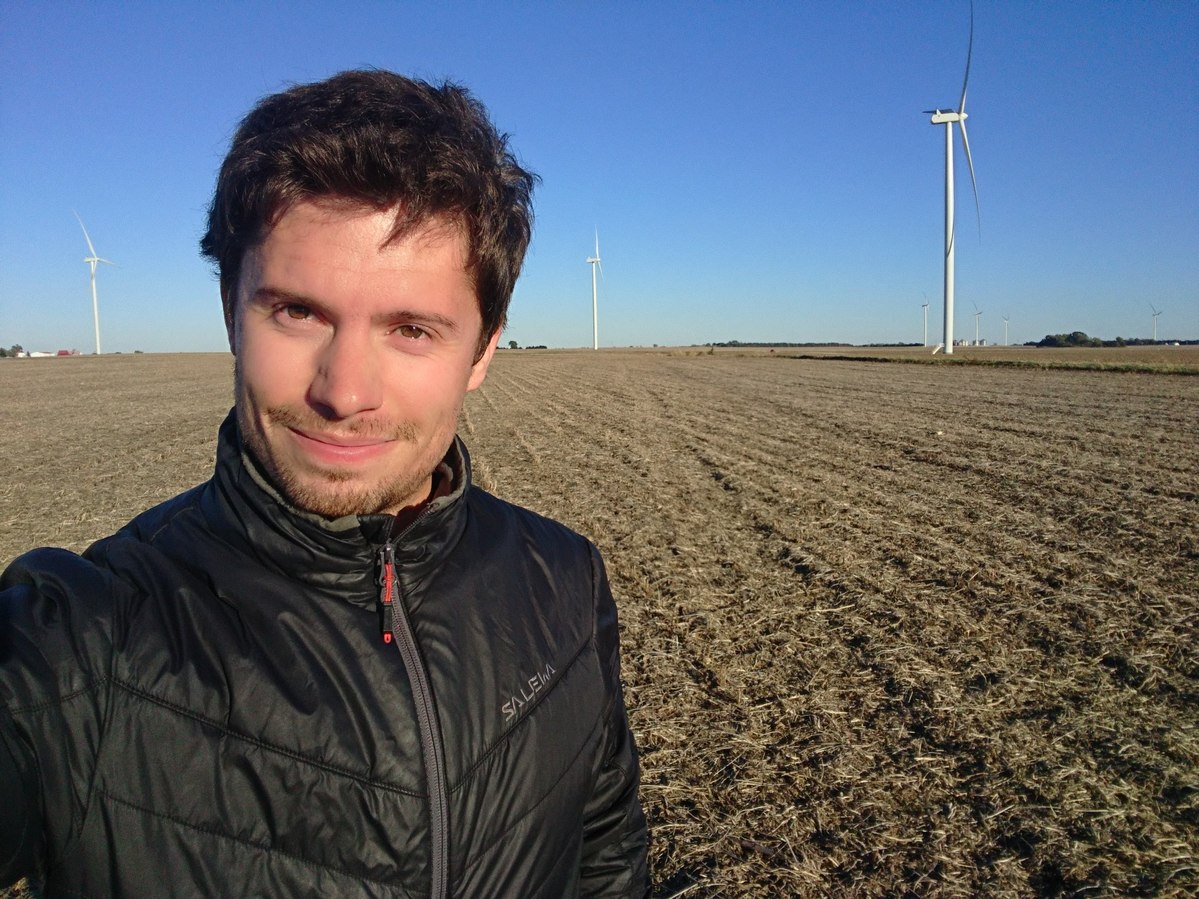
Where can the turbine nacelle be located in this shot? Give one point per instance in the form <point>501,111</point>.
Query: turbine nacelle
<point>945,118</point>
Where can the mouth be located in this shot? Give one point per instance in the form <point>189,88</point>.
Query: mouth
<point>338,449</point>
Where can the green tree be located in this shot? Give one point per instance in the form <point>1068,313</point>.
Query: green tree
<point>1074,338</point>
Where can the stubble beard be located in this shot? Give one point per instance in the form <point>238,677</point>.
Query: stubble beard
<point>327,491</point>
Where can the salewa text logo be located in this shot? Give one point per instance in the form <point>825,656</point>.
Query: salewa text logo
<point>528,690</point>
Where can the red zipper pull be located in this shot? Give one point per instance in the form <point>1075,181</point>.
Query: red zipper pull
<point>387,580</point>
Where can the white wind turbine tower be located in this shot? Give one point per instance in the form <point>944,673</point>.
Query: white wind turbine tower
<point>93,260</point>
<point>1156,313</point>
<point>925,307</point>
<point>594,262</point>
<point>977,313</point>
<point>1005,321</point>
<point>948,118</point>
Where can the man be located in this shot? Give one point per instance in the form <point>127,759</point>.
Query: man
<point>337,668</point>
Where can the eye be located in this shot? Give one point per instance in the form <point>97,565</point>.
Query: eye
<point>296,312</point>
<point>412,332</point>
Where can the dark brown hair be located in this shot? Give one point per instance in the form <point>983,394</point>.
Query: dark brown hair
<point>385,141</point>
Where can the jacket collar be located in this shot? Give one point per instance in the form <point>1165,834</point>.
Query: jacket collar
<point>321,550</point>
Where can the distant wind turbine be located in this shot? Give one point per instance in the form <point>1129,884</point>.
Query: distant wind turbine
<point>93,260</point>
<point>977,313</point>
<point>1005,321</point>
<point>925,307</point>
<point>1156,313</point>
<point>594,262</point>
<point>948,118</point>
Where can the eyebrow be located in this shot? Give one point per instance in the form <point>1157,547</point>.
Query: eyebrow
<point>264,295</point>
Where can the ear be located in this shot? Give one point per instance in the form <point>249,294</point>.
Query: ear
<point>228,304</point>
<point>478,371</point>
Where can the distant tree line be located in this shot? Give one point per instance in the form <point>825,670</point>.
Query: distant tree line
<point>15,350</point>
<point>1080,338</point>
<point>775,343</point>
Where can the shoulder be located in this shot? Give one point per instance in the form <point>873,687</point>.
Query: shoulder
<point>153,546</point>
<point>54,576</point>
<point>503,518</point>
<point>150,525</point>
<point>65,604</point>
<point>56,615</point>
<point>545,557</point>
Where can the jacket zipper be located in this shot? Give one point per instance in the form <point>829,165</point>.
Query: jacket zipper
<point>397,623</point>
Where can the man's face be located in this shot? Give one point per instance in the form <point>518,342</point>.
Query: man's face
<point>353,356</point>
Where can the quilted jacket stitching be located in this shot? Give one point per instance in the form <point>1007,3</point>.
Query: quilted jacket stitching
<point>265,847</point>
<point>262,744</point>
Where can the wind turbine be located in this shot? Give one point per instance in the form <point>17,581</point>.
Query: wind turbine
<point>948,118</point>
<point>1156,313</point>
<point>93,260</point>
<point>925,307</point>
<point>594,262</point>
<point>977,313</point>
<point>1005,321</point>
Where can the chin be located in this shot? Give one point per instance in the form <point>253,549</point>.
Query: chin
<point>334,493</point>
<point>335,497</point>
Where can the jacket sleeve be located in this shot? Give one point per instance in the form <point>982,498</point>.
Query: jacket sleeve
<point>55,645</point>
<point>20,825</point>
<point>614,831</point>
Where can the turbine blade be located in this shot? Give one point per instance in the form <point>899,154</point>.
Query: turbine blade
<point>85,236</point>
<point>973,183</point>
<point>969,53</point>
<point>597,255</point>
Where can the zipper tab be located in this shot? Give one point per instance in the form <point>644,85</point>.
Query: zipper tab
<point>387,582</point>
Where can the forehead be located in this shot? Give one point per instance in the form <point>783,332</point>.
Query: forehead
<point>371,225</point>
<point>324,240</point>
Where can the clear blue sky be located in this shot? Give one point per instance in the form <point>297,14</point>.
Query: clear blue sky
<point>757,171</point>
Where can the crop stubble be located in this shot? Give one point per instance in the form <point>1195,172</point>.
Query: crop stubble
<point>886,627</point>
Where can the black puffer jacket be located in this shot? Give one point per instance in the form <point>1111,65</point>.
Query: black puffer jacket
<point>204,704</point>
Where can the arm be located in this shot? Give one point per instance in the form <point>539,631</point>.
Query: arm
<point>614,831</point>
<point>54,649</point>
<point>20,825</point>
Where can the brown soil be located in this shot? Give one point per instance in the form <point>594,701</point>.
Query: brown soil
<point>888,629</point>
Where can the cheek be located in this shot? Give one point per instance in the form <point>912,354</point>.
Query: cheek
<point>270,373</point>
<point>432,393</point>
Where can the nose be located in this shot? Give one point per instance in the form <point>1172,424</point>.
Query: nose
<point>347,378</point>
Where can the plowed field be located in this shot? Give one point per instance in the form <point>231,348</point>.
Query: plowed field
<point>888,629</point>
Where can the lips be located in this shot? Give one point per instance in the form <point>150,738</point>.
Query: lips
<point>334,449</point>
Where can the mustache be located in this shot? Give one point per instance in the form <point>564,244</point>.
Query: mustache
<point>369,428</point>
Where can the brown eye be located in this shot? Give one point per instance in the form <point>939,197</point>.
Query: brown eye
<point>298,313</point>
<point>412,332</point>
